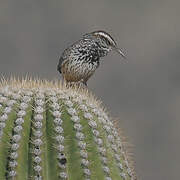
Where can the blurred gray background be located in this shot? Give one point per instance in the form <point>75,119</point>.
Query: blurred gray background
<point>144,93</point>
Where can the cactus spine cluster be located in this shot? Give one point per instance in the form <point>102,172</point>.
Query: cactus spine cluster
<point>50,132</point>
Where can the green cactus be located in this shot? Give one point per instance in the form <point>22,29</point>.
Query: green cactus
<point>50,132</point>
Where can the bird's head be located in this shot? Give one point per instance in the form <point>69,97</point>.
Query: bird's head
<point>105,41</point>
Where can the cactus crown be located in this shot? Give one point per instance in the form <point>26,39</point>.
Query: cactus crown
<point>48,131</point>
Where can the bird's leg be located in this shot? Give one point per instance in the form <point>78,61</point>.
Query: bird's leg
<point>83,82</point>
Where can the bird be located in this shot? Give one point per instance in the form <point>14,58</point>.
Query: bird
<point>80,60</point>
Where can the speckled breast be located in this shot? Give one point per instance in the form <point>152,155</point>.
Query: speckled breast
<point>75,70</point>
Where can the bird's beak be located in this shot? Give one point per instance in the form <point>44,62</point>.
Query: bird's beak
<point>119,51</point>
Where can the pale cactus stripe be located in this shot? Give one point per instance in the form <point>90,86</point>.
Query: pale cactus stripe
<point>59,136</point>
<point>18,140</point>
<point>38,123</point>
<point>80,136</point>
<point>7,103</point>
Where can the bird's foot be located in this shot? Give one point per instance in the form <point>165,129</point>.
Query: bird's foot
<point>78,84</point>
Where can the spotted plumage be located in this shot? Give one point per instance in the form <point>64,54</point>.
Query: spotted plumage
<point>79,61</point>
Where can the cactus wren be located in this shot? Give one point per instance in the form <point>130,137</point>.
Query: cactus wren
<point>80,60</point>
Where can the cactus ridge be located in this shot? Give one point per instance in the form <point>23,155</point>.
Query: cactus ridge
<point>48,131</point>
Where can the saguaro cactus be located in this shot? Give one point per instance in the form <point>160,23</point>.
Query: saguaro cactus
<point>48,131</point>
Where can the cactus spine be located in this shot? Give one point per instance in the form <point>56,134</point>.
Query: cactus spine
<point>50,132</point>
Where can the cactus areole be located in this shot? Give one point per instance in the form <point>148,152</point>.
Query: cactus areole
<point>50,132</point>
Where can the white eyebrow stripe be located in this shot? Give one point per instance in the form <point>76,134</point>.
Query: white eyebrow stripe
<point>107,37</point>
